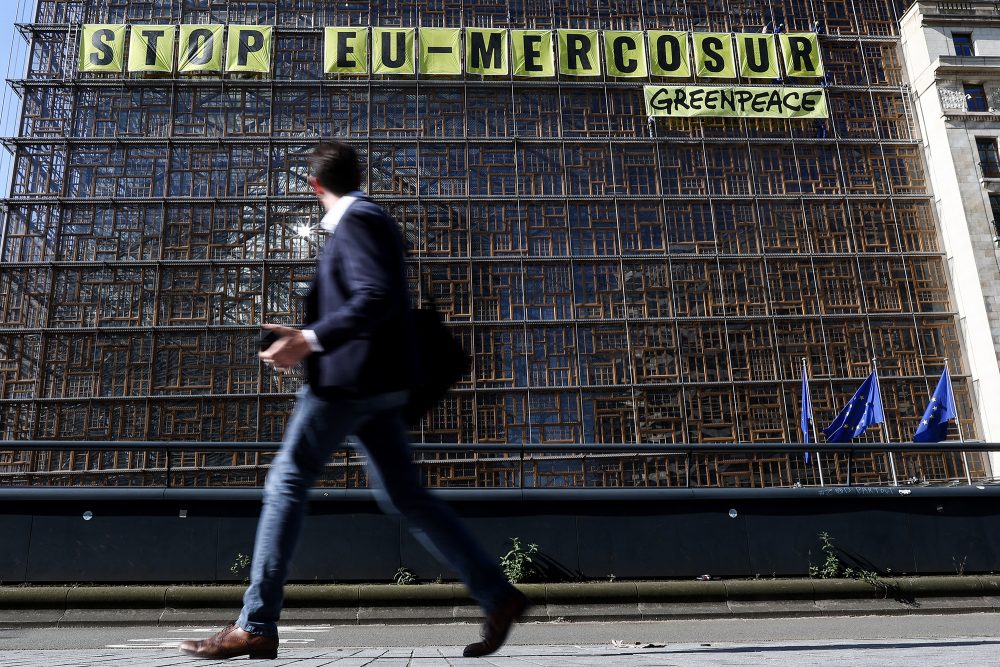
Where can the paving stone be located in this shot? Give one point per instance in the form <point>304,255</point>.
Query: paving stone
<point>885,653</point>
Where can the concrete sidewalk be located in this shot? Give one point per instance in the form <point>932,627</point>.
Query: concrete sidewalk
<point>918,639</point>
<point>449,603</point>
<point>965,652</point>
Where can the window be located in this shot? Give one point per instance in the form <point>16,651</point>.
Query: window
<point>995,212</point>
<point>963,44</point>
<point>989,159</point>
<point>975,97</point>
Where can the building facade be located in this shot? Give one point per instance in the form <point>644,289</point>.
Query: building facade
<point>952,55</point>
<point>616,278</point>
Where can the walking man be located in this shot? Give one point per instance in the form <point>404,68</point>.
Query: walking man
<point>356,345</point>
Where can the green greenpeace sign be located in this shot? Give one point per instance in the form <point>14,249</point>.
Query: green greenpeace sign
<point>440,51</point>
<point>736,101</point>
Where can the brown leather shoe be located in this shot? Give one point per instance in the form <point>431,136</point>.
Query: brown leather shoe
<point>233,641</point>
<point>497,625</point>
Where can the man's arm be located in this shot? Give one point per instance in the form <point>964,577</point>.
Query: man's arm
<point>288,350</point>
<point>369,257</point>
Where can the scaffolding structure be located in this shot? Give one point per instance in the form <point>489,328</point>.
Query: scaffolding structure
<point>615,279</point>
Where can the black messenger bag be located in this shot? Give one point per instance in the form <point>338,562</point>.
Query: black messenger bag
<point>443,361</point>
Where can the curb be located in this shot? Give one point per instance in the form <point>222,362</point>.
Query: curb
<point>435,603</point>
<point>351,595</point>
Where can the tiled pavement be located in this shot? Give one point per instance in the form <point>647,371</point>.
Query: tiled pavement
<point>952,639</point>
<point>951,652</point>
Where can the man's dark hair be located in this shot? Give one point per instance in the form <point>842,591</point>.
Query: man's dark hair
<point>335,166</point>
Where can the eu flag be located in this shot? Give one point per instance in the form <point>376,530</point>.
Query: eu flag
<point>863,410</point>
<point>933,425</point>
<point>807,410</point>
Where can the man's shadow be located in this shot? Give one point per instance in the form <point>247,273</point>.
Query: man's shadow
<point>550,570</point>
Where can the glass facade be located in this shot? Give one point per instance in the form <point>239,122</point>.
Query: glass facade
<point>616,280</point>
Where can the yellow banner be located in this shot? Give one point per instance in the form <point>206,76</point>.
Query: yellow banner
<point>345,51</point>
<point>668,53</point>
<point>624,53</point>
<point>801,52</point>
<point>392,51</point>
<point>102,47</point>
<point>736,101</point>
<point>440,51</point>
<point>249,48</point>
<point>758,56</point>
<point>151,48</point>
<point>578,53</point>
<point>486,51</point>
<point>713,55</point>
<point>200,48</point>
<point>532,53</point>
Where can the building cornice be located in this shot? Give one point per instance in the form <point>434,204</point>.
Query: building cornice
<point>972,116</point>
<point>950,12</point>
<point>968,65</point>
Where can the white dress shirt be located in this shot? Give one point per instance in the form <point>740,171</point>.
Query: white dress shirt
<point>329,224</point>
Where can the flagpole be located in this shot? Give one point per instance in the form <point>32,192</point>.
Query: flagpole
<point>812,421</point>
<point>958,422</point>
<point>885,429</point>
<point>819,461</point>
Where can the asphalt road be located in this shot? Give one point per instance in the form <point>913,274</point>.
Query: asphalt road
<point>954,639</point>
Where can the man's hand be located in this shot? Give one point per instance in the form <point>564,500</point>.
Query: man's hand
<point>288,350</point>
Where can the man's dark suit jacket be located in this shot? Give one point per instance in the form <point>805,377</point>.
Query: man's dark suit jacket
<point>359,308</point>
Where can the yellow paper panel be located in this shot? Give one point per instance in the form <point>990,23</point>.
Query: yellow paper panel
<point>668,53</point>
<point>201,48</point>
<point>345,51</point>
<point>102,48</point>
<point>625,54</point>
<point>486,51</point>
<point>736,101</point>
<point>248,48</point>
<point>713,55</point>
<point>578,53</point>
<point>151,48</point>
<point>532,53</point>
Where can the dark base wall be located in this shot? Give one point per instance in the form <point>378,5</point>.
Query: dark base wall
<point>591,535</point>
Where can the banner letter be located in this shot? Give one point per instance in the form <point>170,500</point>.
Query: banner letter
<point>200,48</point>
<point>345,51</point>
<point>578,53</point>
<point>624,53</point>
<point>533,53</point>
<point>713,55</point>
<point>486,51</point>
<point>758,56</point>
<point>249,49</point>
<point>392,52</point>
<point>440,51</point>
<point>102,48</point>
<point>801,54</point>
<point>151,48</point>
<point>669,53</point>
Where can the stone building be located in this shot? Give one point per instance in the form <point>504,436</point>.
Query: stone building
<point>952,56</point>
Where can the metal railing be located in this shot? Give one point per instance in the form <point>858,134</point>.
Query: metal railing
<point>236,466</point>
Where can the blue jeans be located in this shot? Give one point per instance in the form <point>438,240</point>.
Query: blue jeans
<point>317,426</point>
